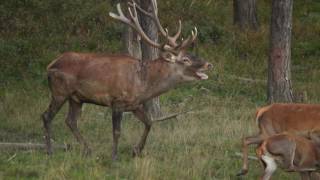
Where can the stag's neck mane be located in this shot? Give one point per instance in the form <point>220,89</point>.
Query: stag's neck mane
<point>158,76</point>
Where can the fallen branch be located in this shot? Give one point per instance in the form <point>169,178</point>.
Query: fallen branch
<point>237,154</point>
<point>29,146</point>
<point>171,116</point>
<point>12,157</point>
<point>248,79</point>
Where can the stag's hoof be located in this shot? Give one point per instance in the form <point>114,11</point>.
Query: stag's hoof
<point>136,152</point>
<point>242,172</point>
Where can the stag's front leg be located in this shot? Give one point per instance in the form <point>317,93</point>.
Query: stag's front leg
<point>116,130</point>
<point>72,122</point>
<point>143,117</point>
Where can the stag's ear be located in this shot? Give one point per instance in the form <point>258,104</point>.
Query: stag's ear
<point>168,56</point>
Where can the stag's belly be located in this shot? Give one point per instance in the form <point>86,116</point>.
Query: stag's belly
<point>124,100</point>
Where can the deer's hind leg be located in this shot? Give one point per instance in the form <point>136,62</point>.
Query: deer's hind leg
<point>54,106</point>
<point>71,121</point>
<point>257,139</point>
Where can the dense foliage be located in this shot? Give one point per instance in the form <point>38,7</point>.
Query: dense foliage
<point>199,145</point>
<point>33,32</point>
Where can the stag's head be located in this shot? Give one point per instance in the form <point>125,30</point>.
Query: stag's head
<point>174,48</point>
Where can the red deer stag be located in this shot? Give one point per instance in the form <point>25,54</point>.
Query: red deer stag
<point>120,81</point>
<point>278,118</point>
<point>292,152</point>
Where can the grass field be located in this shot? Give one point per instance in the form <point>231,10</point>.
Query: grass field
<point>198,145</point>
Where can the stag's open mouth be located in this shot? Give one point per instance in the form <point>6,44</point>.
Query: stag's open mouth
<point>201,75</point>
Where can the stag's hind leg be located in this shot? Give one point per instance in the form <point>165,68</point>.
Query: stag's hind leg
<point>143,117</point>
<point>55,105</point>
<point>71,121</point>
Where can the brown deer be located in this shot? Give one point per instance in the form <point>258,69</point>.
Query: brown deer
<point>294,153</point>
<point>278,118</point>
<point>120,82</point>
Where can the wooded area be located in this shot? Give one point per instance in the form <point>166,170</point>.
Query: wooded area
<point>262,52</point>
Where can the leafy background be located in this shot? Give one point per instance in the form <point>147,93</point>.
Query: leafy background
<point>200,145</point>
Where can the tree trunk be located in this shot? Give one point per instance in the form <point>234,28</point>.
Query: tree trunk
<point>130,38</point>
<point>279,71</point>
<point>245,14</point>
<point>150,53</point>
<point>132,43</point>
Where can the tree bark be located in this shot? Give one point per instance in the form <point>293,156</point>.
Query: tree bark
<point>245,14</point>
<point>132,43</point>
<point>279,70</point>
<point>150,53</point>
<point>130,38</point>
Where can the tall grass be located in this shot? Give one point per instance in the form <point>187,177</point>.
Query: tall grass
<point>198,145</point>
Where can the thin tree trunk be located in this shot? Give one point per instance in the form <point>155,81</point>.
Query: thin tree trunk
<point>245,14</point>
<point>130,38</point>
<point>141,50</point>
<point>132,43</point>
<point>279,71</point>
<point>150,53</point>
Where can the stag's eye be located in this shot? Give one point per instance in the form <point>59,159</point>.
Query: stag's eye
<point>186,60</point>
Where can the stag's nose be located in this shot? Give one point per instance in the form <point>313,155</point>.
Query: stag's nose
<point>209,66</point>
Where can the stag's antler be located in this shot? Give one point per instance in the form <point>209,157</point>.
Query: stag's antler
<point>133,21</point>
<point>172,40</point>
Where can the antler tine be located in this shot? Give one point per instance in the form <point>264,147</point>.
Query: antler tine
<point>155,5</point>
<point>133,22</point>
<point>140,9</point>
<point>134,17</point>
<point>154,16</point>
<point>121,16</point>
<point>189,40</point>
<point>177,35</point>
<point>172,40</point>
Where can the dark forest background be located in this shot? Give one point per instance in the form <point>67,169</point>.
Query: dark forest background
<point>202,144</point>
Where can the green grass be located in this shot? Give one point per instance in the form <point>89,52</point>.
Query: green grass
<point>199,145</point>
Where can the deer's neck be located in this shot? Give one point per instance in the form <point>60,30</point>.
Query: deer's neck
<point>159,76</point>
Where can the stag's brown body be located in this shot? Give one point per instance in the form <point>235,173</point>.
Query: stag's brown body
<point>119,81</point>
<point>110,80</point>
<point>294,153</point>
<point>278,118</point>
